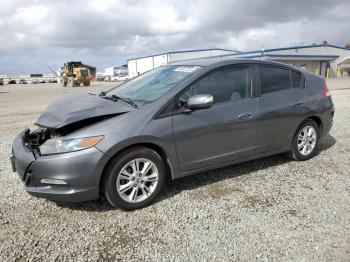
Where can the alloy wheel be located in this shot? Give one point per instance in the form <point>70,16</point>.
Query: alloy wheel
<point>307,139</point>
<point>137,180</point>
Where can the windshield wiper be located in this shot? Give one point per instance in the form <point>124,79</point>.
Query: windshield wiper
<point>125,99</point>
<point>115,98</point>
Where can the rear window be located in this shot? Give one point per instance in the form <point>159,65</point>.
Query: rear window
<point>273,79</point>
<point>296,79</point>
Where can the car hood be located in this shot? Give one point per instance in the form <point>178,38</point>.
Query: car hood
<point>72,108</point>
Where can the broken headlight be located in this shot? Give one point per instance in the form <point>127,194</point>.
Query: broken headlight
<point>57,146</point>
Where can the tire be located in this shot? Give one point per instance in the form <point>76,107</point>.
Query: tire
<point>87,84</point>
<point>71,82</point>
<point>64,82</point>
<point>304,148</point>
<point>132,190</point>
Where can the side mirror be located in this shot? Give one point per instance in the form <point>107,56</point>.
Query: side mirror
<point>200,102</point>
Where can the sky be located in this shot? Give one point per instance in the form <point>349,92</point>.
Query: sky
<point>41,33</point>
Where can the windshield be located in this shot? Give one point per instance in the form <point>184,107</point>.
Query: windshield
<point>153,84</point>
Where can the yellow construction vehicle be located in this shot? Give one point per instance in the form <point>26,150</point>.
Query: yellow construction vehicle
<point>74,74</point>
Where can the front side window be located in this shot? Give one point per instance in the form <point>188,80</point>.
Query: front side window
<point>153,84</point>
<point>225,85</point>
<point>273,79</point>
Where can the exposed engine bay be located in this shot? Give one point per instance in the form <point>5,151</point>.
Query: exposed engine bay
<point>33,140</point>
<point>69,113</point>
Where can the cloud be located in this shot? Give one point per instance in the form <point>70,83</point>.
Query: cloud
<point>34,34</point>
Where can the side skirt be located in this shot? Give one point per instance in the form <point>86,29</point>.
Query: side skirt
<point>230,163</point>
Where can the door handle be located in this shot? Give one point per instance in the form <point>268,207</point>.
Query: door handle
<point>298,104</point>
<point>246,116</point>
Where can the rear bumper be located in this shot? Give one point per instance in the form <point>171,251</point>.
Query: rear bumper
<point>327,128</point>
<point>80,171</point>
<point>327,120</point>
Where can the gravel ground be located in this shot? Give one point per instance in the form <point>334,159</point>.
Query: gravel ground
<point>269,209</point>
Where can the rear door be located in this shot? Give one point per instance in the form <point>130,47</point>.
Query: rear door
<point>223,132</point>
<point>280,106</point>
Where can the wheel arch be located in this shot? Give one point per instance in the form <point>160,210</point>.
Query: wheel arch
<point>316,119</point>
<point>153,146</point>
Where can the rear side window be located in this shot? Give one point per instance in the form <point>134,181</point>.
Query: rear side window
<point>273,79</point>
<point>296,79</point>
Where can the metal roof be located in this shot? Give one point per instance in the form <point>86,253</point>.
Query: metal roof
<point>211,61</point>
<point>221,57</point>
<point>257,53</point>
<point>289,48</point>
<point>265,53</point>
<point>185,51</point>
<point>322,57</point>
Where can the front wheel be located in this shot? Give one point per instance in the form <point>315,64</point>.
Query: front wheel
<point>71,82</point>
<point>305,141</point>
<point>134,179</point>
<point>64,81</point>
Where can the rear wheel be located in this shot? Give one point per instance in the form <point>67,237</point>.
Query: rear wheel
<point>305,141</point>
<point>134,179</point>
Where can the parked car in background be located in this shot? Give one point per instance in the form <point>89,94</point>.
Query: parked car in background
<point>171,122</point>
<point>119,78</point>
<point>100,78</point>
<point>23,81</point>
<point>1,81</point>
<point>52,81</point>
<point>12,82</point>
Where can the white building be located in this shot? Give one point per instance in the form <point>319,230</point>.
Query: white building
<point>324,59</point>
<point>140,65</point>
<point>109,71</point>
<point>116,70</point>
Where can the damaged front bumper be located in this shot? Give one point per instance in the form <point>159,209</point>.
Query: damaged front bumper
<point>21,157</point>
<point>80,171</point>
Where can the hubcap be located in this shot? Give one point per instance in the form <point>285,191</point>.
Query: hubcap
<point>137,180</point>
<point>307,140</point>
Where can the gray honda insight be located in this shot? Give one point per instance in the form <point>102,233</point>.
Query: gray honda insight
<point>173,121</point>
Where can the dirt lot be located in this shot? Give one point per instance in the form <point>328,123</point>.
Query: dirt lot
<point>269,209</point>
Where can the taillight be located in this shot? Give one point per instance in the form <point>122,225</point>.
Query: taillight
<point>326,92</point>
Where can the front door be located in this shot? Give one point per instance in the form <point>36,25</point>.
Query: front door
<point>224,132</point>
